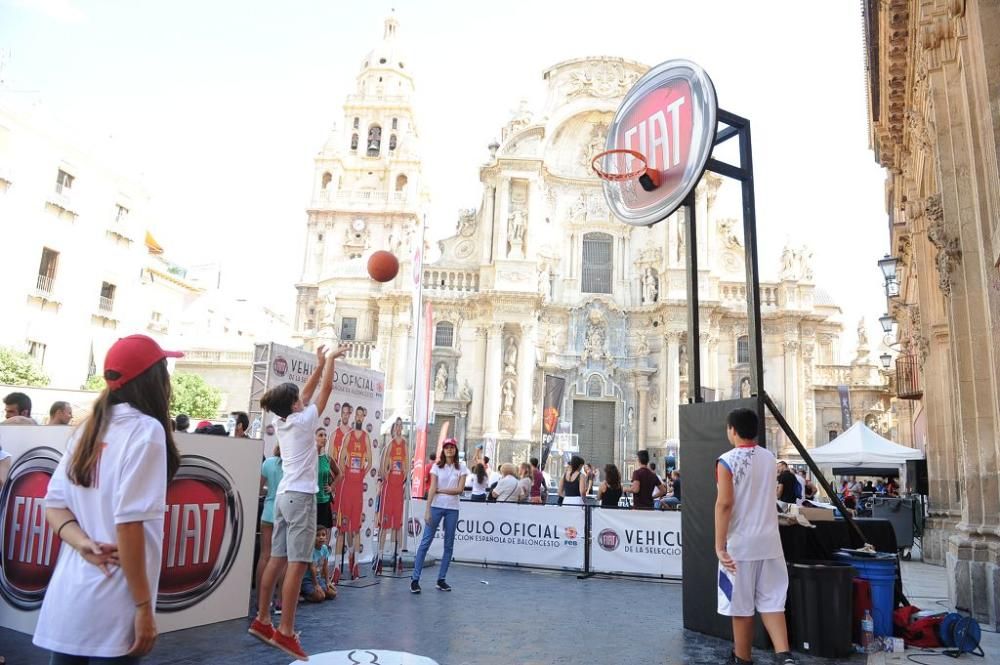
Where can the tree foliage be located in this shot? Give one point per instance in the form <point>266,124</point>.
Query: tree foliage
<point>20,369</point>
<point>95,382</point>
<point>190,394</point>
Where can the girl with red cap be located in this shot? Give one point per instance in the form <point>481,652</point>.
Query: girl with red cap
<point>106,502</point>
<point>447,485</point>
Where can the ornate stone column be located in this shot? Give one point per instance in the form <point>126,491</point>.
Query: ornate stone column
<point>525,381</point>
<point>488,221</point>
<point>500,228</point>
<point>673,339</point>
<point>791,348</point>
<point>491,380</point>
<point>642,386</point>
<point>478,384</point>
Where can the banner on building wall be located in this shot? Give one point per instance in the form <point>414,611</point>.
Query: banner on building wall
<point>209,529</point>
<point>357,397</point>
<point>845,408</point>
<point>509,533</point>
<point>421,400</point>
<point>636,542</point>
<point>551,406</point>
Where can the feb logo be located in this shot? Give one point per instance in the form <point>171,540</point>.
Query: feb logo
<point>201,533</point>
<point>30,548</point>
<point>608,540</point>
<point>280,366</point>
<point>414,527</point>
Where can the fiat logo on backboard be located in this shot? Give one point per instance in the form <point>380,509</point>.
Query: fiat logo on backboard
<point>669,117</point>
<point>201,533</point>
<point>608,540</point>
<point>30,549</point>
<point>280,366</point>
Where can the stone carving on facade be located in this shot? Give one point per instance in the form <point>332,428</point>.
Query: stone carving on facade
<point>949,253</point>
<point>654,396</point>
<point>727,230</point>
<point>510,357</point>
<point>745,389</point>
<point>796,263</point>
<point>641,344</point>
<point>441,382</point>
<point>598,140</point>
<point>465,392</point>
<point>603,80</point>
<point>508,391</point>
<point>467,223</point>
<point>650,286</point>
<point>516,226</point>
<point>327,310</point>
<point>682,359</point>
<point>355,242</point>
<point>596,337</point>
<point>520,118</point>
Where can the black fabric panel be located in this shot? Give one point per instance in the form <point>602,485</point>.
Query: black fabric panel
<point>702,440</point>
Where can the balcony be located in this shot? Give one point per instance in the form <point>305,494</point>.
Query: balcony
<point>365,198</point>
<point>359,353</point>
<point>735,293</point>
<point>105,305</point>
<point>454,281</point>
<point>908,378</point>
<point>43,287</point>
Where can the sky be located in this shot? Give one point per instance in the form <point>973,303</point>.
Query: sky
<point>220,107</point>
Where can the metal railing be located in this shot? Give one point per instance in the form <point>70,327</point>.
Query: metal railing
<point>106,304</point>
<point>908,377</point>
<point>44,285</point>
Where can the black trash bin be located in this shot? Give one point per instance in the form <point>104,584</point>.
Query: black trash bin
<point>819,608</point>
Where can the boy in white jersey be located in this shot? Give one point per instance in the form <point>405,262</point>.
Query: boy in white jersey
<point>294,536</point>
<point>752,573</point>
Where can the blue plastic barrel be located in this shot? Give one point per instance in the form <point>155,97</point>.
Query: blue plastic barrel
<point>880,571</point>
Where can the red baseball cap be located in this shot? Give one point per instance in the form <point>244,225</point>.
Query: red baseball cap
<point>131,356</point>
<point>450,442</point>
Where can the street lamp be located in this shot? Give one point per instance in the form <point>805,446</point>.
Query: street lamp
<point>886,360</point>
<point>888,265</point>
<point>886,321</point>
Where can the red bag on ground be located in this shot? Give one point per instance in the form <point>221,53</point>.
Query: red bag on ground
<point>920,633</point>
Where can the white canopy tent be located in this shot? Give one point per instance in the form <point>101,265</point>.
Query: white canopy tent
<point>861,447</point>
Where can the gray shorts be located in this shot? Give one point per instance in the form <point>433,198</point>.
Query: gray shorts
<point>294,534</point>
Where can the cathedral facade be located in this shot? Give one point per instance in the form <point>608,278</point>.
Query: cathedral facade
<point>540,279</point>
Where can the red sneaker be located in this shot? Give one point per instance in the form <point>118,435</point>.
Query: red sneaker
<point>289,644</point>
<point>262,631</point>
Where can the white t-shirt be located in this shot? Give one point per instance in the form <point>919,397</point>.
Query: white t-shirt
<point>753,527</point>
<point>493,477</point>
<point>299,461</point>
<point>508,489</point>
<point>480,487</point>
<point>448,477</point>
<point>84,612</point>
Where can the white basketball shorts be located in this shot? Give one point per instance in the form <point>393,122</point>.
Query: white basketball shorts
<point>760,585</point>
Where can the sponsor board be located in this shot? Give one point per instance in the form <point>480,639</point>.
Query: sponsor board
<point>207,546</point>
<point>511,533</point>
<point>636,542</point>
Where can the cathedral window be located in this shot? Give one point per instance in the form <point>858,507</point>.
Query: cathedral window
<point>395,123</point>
<point>381,61</point>
<point>595,387</point>
<point>374,140</point>
<point>598,263</point>
<point>326,179</point>
<point>357,123</point>
<point>392,141</point>
<point>354,142</point>
<point>444,334</point>
<point>743,350</point>
<point>348,328</point>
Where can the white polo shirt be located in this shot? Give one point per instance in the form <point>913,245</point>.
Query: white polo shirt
<point>85,613</point>
<point>448,477</point>
<point>299,461</point>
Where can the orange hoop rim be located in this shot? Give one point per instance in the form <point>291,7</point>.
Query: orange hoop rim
<point>617,177</point>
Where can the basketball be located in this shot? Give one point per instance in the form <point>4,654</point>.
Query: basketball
<point>383,266</point>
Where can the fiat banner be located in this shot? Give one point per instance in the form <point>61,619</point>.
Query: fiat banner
<point>509,533</point>
<point>636,542</point>
<point>353,415</point>
<point>209,529</point>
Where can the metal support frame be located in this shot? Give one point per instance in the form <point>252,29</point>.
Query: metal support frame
<point>737,126</point>
<point>258,385</point>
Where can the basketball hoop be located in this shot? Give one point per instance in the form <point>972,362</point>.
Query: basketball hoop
<point>648,178</point>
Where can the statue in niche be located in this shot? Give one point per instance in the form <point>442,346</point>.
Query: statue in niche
<point>515,228</point>
<point>641,345</point>
<point>510,357</point>
<point>465,394</point>
<point>327,310</point>
<point>650,290</point>
<point>682,359</point>
<point>508,397</point>
<point>745,387</point>
<point>598,140</point>
<point>441,382</point>
<point>595,337</point>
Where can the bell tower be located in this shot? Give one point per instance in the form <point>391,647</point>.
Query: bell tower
<point>366,193</point>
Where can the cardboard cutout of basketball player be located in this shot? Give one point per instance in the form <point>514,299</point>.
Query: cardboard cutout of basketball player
<point>393,473</point>
<point>340,432</point>
<point>355,460</point>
